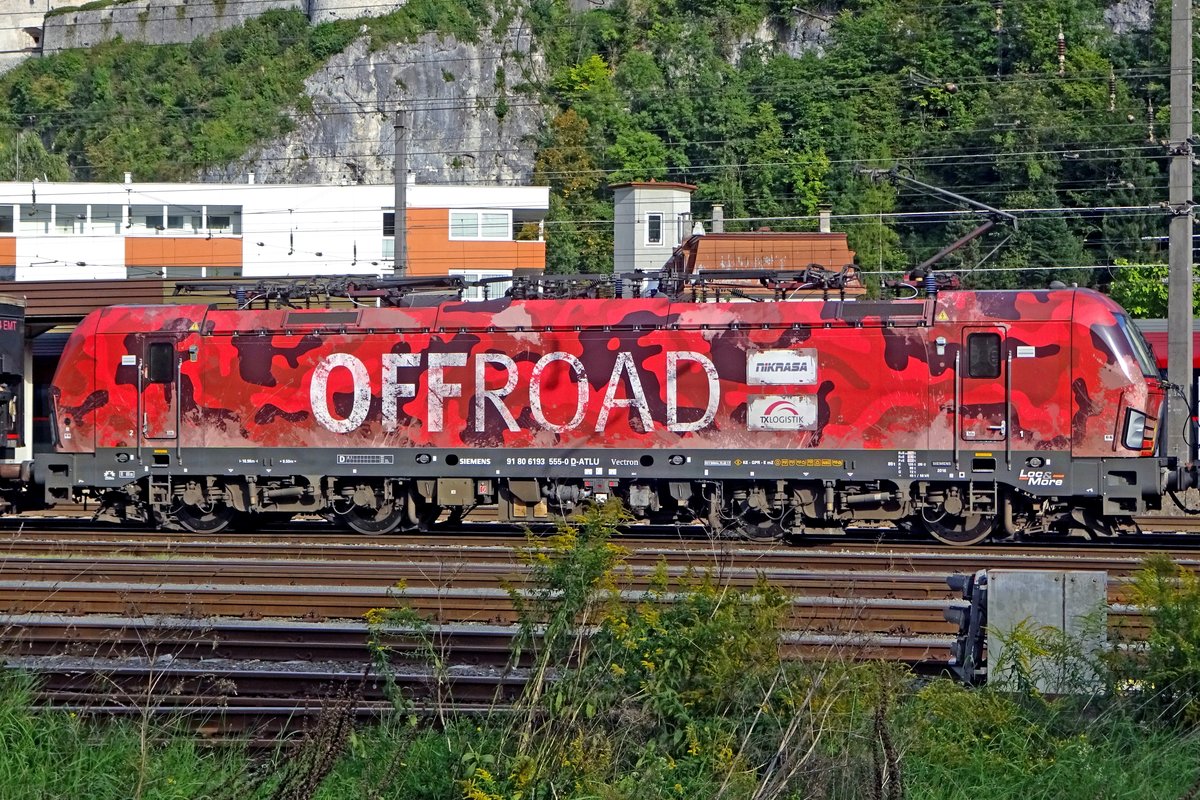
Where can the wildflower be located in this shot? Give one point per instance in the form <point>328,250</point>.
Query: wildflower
<point>649,665</point>
<point>617,669</point>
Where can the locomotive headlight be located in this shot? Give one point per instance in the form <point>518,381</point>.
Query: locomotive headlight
<point>1135,429</point>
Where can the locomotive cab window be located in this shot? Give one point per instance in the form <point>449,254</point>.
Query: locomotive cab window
<point>983,355</point>
<point>160,362</point>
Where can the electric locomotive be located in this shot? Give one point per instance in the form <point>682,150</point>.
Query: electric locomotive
<point>962,413</point>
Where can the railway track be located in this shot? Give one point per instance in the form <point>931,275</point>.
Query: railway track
<point>202,616</point>
<point>75,523</point>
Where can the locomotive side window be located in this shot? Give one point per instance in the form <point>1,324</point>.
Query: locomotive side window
<point>983,355</point>
<point>160,362</point>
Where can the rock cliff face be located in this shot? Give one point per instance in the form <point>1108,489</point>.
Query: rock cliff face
<point>466,120</point>
<point>1128,16</point>
<point>803,30</point>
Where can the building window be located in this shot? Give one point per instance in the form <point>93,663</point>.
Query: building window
<point>6,220</point>
<point>494,225</point>
<point>983,355</point>
<point>106,219</point>
<point>225,220</point>
<point>489,291</point>
<point>34,220</point>
<point>389,223</point>
<point>182,272</point>
<point>70,219</point>
<point>654,228</point>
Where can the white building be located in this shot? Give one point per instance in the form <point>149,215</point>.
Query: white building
<point>650,220</point>
<point>81,231</point>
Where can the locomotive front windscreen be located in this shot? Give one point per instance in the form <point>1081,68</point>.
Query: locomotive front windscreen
<point>1141,349</point>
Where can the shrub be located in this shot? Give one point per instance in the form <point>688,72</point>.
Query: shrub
<point>1166,671</point>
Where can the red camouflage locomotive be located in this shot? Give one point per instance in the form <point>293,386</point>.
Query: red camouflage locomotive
<point>962,413</point>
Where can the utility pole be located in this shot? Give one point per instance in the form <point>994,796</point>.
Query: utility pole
<point>1179,280</point>
<point>400,218</point>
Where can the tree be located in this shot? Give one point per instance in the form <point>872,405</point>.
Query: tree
<point>1142,290</point>
<point>639,156</point>
<point>578,231</point>
<point>24,157</point>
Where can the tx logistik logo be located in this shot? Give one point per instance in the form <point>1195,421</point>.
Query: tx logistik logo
<point>1041,477</point>
<point>782,413</point>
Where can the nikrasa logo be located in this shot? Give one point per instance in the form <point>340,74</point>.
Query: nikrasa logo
<point>781,367</point>
<point>782,413</point>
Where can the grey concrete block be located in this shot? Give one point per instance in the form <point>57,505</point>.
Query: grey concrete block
<point>1064,610</point>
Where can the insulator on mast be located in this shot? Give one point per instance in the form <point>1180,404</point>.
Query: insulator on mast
<point>1112,90</point>
<point>1062,52</point>
<point>1150,121</point>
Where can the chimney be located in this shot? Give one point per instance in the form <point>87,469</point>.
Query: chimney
<point>718,218</point>
<point>250,178</point>
<point>826,216</point>
<point>128,178</point>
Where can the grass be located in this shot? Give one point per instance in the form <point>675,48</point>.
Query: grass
<point>665,700</point>
<point>954,743</point>
<point>56,754</point>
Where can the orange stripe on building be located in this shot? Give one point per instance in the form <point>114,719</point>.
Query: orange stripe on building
<point>432,252</point>
<point>8,251</point>
<point>171,251</point>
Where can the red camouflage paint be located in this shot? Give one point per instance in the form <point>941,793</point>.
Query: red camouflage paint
<point>884,375</point>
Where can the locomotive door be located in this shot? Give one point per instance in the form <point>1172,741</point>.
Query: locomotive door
<point>159,379</point>
<point>983,385</point>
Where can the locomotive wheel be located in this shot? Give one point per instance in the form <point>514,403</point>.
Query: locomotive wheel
<point>384,519</point>
<point>961,531</point>
<point>198,520</point>
<point>764,531</point>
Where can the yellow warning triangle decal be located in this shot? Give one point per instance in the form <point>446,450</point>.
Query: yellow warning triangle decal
<point>195,326</point>
<point>942,316</point>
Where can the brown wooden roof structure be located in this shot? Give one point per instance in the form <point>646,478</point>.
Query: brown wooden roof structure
<point>52,303</point>
<point>781,250</point>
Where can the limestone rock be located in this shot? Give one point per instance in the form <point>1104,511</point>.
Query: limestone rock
<point>464,123</point>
